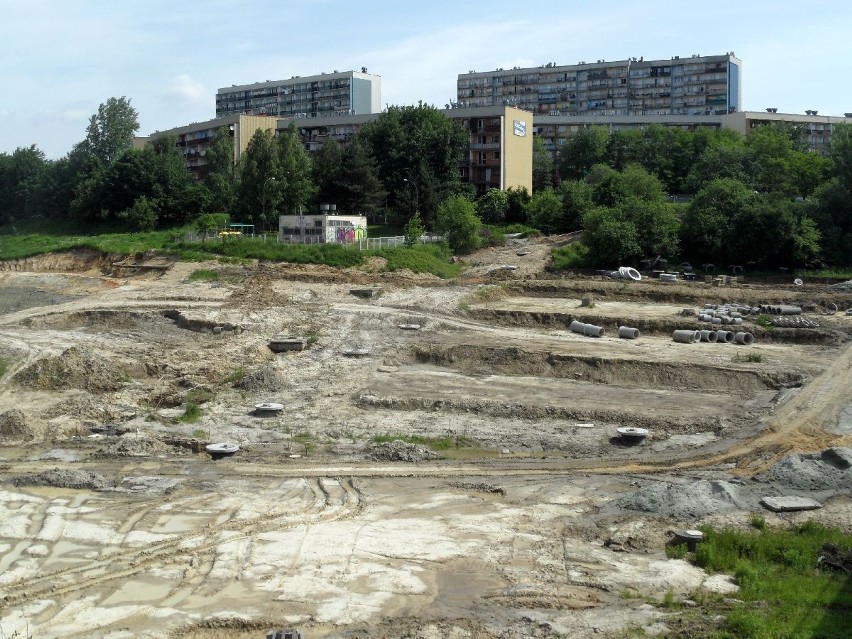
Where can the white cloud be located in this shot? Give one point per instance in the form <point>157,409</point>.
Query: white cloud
<point>185,89</point>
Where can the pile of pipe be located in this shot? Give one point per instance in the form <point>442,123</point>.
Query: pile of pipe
<point>720,315</point>
<point>721,336</point>
<point>794,321</point>
<point>668,277</point>
<point>587,329</point>
<point>626,273</point>
<point>779,309</point>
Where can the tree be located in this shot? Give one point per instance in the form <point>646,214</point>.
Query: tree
<point>581,152</point>
<point>413,230</point>
<point>841,154</point>
<point>492,206</point>
<point>611,239</point>
<point>258,169</point>
<point>22,182</point>
<point>294,186</point>
<point>220,175</point>
<point>359,188</point>
<point>517,200</point>
<point>545,212</point>
<point>577,200</point>
<point>111,130</point>
<point>542,166</point>
<point>457,220</point>
<point>327,167</point>
<point>419,144</point>
<point>708,220</point>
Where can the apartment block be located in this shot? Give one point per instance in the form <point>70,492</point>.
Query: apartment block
<point>338,93</point>
<point>698,85</point>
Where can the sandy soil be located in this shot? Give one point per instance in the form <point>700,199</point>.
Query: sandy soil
<point>115,523</point>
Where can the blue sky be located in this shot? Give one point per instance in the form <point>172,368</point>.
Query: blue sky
<point>60,59</point>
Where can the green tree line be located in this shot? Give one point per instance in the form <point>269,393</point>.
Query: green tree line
<point>763,199</point>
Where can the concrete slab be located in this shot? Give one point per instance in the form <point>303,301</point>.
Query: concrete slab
<point>785,504</point>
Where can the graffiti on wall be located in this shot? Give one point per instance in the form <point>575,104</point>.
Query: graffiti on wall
<point>350,233</point>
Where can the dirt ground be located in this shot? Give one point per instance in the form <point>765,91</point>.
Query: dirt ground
<point>538,520</point>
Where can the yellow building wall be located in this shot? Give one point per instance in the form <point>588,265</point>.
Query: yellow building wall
<point>517,152</point>
<point>246,127</point>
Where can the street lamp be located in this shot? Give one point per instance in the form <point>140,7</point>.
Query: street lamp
<point>263,219</point>
<point>416,194</point>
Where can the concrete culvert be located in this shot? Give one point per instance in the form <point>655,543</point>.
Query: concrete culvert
<point>577,327</point>
<point>593,331</point>
<point>629,273</point>
<point>709,336</point>
<point>724,337</point>
<point>685,336</point>
<point>625,332</point>
<point>746,339</point>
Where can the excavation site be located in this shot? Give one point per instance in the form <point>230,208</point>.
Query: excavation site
<point>360,453</point>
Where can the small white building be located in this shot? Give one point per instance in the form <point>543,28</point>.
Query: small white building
<point>322,228</point>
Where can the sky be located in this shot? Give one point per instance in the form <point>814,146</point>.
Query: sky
<point>61,59</point>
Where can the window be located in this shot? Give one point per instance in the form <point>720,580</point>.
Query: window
<point>482,157</point>
<point>496,155</point>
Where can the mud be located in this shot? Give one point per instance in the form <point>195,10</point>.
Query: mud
<point>536,520</point>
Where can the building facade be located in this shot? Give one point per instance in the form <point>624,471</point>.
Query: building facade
<point>338,93</point>
<point>325,227</point>
<point>698,85</point>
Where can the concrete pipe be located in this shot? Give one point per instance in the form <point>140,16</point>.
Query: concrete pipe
<point>685,336</point>
<point>576,326</point>
<point>709,336</point>
<point>717,321</point>
<point>790,310</point>
<point>629,273</point>
<point>737,321</point>
<point>668,277</point>
<point>724,337</point>
<point>746,339</point>
<point>705,318</point>
<point>593,331</point>
<point>625,332</point>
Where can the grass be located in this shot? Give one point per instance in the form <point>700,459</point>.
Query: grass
<point>5,363</point>
<point>421,258</point>
<point>749,357</point>
<point>574,255</point>
<point>200,433</point>
<point>765,321</point>
<point>432,443</point>
<point>235,376</point>
<point>203,275</point>
<point>192,413</point>
<point>783,592</point>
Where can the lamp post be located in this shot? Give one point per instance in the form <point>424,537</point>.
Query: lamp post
<point>416,194</point>
<point>266,182</point>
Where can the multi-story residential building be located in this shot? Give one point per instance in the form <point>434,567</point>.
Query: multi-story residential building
<point>193,139</point>
<point>499,154</point>
<point>338,93</point>
<point>699,85</point>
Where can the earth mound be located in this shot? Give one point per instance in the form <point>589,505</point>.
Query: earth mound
<point>59,478</point>
<point>830,469</point>
<point>398,450</point>
<point>77,368</point>
<point>689,501</point>
<point>15,427</point>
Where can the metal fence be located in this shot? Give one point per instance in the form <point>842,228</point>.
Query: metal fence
<point>373,243</point>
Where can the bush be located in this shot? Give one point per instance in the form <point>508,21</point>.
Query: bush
<point>457,220</point>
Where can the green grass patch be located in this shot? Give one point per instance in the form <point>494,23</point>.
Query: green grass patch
<point>235,376</point>
<point>748,357</point>
<point>192,413</point>
<point>844,273</point>
<point>5,364</point>
<point>574,255</point>
<point>256,248</point>
<point>200,433</point>
<point>526,231</point>
<point>203,275</point>
<point>421,258</point>
<point>449,442</point>
<point>784,592</point>
<point>765,321</point>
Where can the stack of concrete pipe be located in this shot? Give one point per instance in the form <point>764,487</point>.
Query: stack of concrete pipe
<point>668,277</point>
<point>587,329</point>
<point>626,273</point>
<point>721,336</point>
<point>780,309</point>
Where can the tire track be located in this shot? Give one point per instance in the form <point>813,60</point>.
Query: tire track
<point>325,503</point>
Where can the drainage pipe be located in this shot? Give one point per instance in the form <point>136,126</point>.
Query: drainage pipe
<point>593,331</point>
<point>577,327</point>
<point>625,332</point>
<point>746,339</point>
<point>724,337</point>
<point>709,336</point>
<point>685,336</point>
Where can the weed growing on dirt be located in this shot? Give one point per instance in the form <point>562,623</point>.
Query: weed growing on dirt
<point>256,248</point>
<point>758,522</point>
<point>750,357</point>
<point>433,443</point>
<point>784,590</point>
<point>669,600</point>
<point>235,376</point>
<point>5,364</point>
<point>765,321</point>
<point>676,551</point>
<point>192,413</point>
<point>203,275</point>
<point>200,395</point>
<point>312,337</point>
<point>200,433</point>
